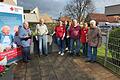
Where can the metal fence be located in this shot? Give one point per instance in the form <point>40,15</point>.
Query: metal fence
<point>109,52</point>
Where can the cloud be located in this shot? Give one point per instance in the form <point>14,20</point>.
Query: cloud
<point>52,7</point>
<point>56,0</point>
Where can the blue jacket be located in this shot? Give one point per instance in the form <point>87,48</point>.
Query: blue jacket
<point>10,37</point>
<point>25,42</point>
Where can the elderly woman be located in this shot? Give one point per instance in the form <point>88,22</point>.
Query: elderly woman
<point>25,35</point>
<point>94,41</point>
<point>6,39</point>
<point>74,33</point>
<point>42,31</point>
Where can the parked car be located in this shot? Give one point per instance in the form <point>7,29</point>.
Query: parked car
<point>105,27</point>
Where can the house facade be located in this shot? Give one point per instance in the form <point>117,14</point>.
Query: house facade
<point>99,17</point>
<point>102,19</point>
<point>112,10</point>
<point>33,16</point>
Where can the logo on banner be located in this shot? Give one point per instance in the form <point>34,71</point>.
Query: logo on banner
<point>11,8</point>
<point>15,9</point>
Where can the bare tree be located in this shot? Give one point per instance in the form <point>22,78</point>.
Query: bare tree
<point>79,9</point>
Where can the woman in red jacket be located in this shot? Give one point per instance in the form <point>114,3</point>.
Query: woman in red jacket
<point>60,34</point>
<point>84,31</point>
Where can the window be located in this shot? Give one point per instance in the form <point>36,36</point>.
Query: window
<point>33,11</point>
<point>24,16</point>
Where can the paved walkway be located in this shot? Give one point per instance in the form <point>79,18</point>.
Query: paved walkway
<point>56,67</point>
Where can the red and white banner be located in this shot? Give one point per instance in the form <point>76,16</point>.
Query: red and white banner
<point>10,8</point>
<point>6,8</point>
<point>11,16</point>
<point>12,55</point>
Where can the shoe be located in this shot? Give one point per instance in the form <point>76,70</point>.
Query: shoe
<point>29,58</point>
<point>59,52</point>
<point>66,49</point>
<point>62,53</point>
<point>25,61</point>
<point>77,54</point>
<point>83,56</point>
<point>88,60</point>
<point>71,54</point>
<point>93,61</point>
<point>45,54</point>
<point>40,54</point>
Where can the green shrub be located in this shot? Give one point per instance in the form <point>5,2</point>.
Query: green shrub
<point>51,27</point>
<point>114,45</point>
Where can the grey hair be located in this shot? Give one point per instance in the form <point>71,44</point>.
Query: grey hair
<point>93,22</point>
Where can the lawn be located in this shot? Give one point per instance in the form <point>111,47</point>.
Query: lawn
<point>109,61</point>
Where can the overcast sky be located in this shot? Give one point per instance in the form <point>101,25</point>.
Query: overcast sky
<point>54,7</point>
<point>100,4</point>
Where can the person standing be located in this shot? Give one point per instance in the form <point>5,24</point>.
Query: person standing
<point>25,38</point>
<point>67,37</point>
<point>42,31</point>
<point>16,36</point>
<point>36,45</point>
<point>74,33</point>
<point>94,41</point>
<point>60,35</point>
<point>84,31</point>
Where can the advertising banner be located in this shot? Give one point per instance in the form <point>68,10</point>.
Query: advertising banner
<point>11,16</point>
<point>12,55</point>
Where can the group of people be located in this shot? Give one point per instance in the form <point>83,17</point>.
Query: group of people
<point>69,35</point>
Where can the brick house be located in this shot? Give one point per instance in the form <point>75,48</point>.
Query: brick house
<point>99,17</point>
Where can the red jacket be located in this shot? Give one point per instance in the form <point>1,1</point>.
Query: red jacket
<point>84,32</point>
<point>60,31</point>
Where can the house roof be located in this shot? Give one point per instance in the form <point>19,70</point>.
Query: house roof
<point>99,17</point>
<point>47,18</point>
<point>65,18</point>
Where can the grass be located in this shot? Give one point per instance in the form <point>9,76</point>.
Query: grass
<point>109,63</point>
<point>101,51</point>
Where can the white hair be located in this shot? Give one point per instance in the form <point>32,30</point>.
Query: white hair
<point>25,22</point>
<point>93,22</point>
<point>74,20</point>
<point>5,27</point>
